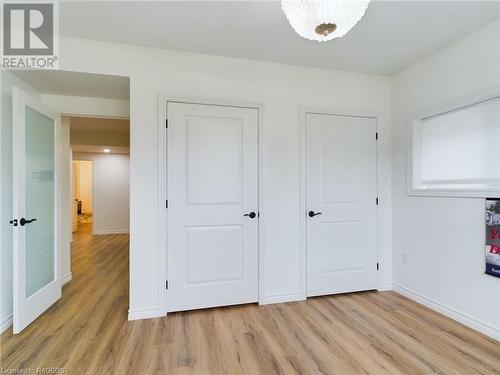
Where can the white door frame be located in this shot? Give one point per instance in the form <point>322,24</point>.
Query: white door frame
<point>303,110</point>
<point>163,99</point>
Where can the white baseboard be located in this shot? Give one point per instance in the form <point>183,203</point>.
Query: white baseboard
<point>111,231</point>
<point>384,287</point>
<point>146,313</point>
<point>6,323</point>
<point>66,279</point>
<point>280,298</point>
<point>450,312</point>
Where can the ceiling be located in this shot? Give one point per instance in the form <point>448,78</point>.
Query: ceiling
<point>95,134</point>
<point>58,82</point>
<point>391,36</point>
<point>100,149</point>
<point>99,124</point>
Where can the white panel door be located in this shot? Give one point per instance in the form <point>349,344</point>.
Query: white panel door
<point>341,193</point>
<point>212,206</point>
<point>36,280</point>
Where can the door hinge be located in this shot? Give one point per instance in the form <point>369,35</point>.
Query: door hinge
<point>376,201</point>
<point>377,266</point>
<point>166,284</point>
<point>166,123</point>
<point>376,136</point>
<point>166,203</point>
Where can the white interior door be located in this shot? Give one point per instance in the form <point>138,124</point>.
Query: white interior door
<point>36,275</point>
<point>341,191</point>
<point>212,206</point>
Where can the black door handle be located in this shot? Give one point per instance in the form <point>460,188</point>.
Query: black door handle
<point>251,215</point>
<point>24,221</point>
<point>312,213</point>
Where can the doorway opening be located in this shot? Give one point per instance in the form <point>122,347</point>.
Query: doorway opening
<point>82,192</point>
<point>100,174</point>
<point>71,134</point>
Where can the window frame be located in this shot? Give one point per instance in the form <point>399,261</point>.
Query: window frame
<point>414,186</point>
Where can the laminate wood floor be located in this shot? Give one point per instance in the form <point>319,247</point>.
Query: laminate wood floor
<point>87,332</point>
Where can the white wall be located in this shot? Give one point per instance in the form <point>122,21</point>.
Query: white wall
<point>282,89</point>
<point>65,196</point>
<point>111,185</point>
<point>444,237</point>
<point>85,106</point>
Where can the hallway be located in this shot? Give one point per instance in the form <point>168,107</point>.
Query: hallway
<point>87,332</point>
<point>93,306</point>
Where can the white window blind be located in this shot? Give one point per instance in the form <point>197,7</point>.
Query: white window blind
<point>458,150</point>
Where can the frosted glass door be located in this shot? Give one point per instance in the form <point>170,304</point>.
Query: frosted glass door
<point>40,203</point>
<point>35,206</point>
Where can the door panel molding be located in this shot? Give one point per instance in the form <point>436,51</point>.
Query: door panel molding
<point>163,100</point>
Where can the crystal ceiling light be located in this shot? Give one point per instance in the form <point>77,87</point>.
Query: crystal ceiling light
<point>323,20</point>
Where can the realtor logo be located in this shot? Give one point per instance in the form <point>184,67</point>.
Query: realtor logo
<point>29,35</point>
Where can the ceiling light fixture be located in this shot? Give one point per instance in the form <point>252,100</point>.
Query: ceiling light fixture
<point>106,150</point>
<point>323,20</point>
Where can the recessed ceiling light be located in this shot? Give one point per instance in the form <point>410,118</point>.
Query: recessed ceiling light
<point>106,150</point>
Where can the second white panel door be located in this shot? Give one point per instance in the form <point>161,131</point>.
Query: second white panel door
<point>213,206</point>
<point>341,191</point>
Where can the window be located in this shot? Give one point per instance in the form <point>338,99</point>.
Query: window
<point>457,152</point>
